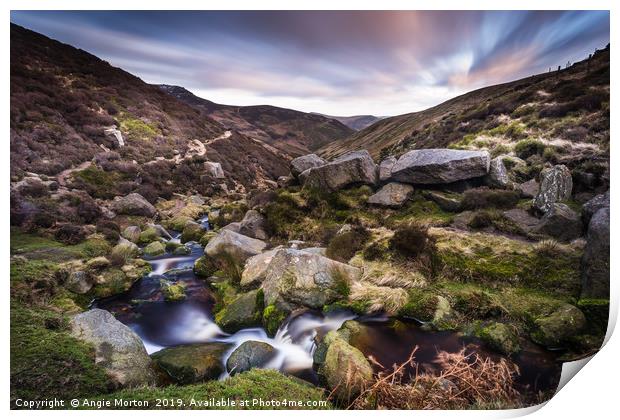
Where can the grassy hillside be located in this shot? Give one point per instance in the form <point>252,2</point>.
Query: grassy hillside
<point>293,132</point>
<point>566,110</point>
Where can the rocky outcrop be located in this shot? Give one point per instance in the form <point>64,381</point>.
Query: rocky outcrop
<point>229,244</point>
<point>250,354</point>
<point>214,169</point>
<point>243,312</point>
<point>303,163</point>
<point>560,222</point>
<point>134,205</point>
<point>254,225</point>
<point>256,269</point>
<point>498,175</point>
<point>561,325</point>
<point>592,206</point>
<point>394,194</point>
<point>385,168</point>
<point>352,168</point>
<point>595,262</point>
<point>296,278</point>
<point>556,185</point>
<point>440,166</point>
<point>118,349</point>
<point>116,134</point>
<point>529,189</point>
<point>192,363</point>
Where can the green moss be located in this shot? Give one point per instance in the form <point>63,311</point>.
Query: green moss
<point>22,242</point>
<point>115,281</point>
<point>148,235</point>
<point>244,311</point>
<point>498,336</point>
<point>421,305</point>
<point>528,147</point>
<point>173,292</point>
<point>46,362</point>
<point>205,267</point>
<point>272,319</point>
<point>177,222</point>
<point>95,246</point>
<point>256,384</point>
<point>420,210</point>
<point>597,314</point>
<point>97,182</point>
<point>137,128</point>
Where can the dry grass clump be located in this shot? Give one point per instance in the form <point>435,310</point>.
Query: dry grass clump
<point>378,298</point>
<point>463,381</point>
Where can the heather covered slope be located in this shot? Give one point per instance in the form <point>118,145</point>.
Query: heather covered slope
<point>568,109</point>
<point>293,132</point>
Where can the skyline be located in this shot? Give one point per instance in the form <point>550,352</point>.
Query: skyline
<point>339,62</point>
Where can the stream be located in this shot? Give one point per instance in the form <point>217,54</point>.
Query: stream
<point>161,324</point>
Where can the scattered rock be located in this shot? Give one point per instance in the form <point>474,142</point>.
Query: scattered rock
<point>118,349</point>
<point>440,166</point>
<point>385,168</point>
<point>133,204</point>
<point>150,234</point>
<point>254,225</point>
<point>132,233</point>
<point>498,175</point>
<point>563,324</point>
<point>525,221</point>
<point>529,189</point>
<point>595,262</point>
<point>556,185</point>
<point>462,220</point>
<point>215,170</point>
<point>352,168</point>
<point>393,194</point>
<point>446,202</point>
<point>125,250</point>
<point>499,337</point>
<point>560,222</point>
<point>97,263</point>
<point>173,292</point>
<point>243,312</point>
<point>228,244</point>
<point>594,205</point>
<point>303,163</point>
<point>154,249</point>
<point>80,282</point>
<point>192,363</point>
<point>234,227</point>
<point>316,250</point>
<point>296,278</point>
<point>192,232</point>
<point>285,181</point>
<point>250,354</point>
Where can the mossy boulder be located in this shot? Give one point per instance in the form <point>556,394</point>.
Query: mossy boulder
<point>498,336</point>
<point>97,263</point>
<point>273,317</point>
<point>136,269</point>
<point>192,363</point>
<point>434,310</point>
<point>192,232</point>
<point>250,354</point>
<point>124,250</point>
<point>132,233</point>
<point>243,312</point>
<point>555,329</point>
<point>205,266</point>
<point>206,237</point>
<point>342,367</point>
<point>154,249</point>
<point>172,292</point>
<point>596,312</point>
<point>112,281</point>
<point>178,222</point>
<point>356,334</point>
<point>149,235</point>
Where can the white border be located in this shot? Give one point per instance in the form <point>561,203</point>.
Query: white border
<point>592,394</point>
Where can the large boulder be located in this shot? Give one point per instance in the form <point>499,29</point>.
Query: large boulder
<point>595,261</point>
<point>192,232</point>
<point>154,249</point>
<point>592,206</point>
<point>125,249</point>
<point>303,163</point>
<point>256,268</point>
<point>193,362</point>
<point>229,244</point>
<point>134,205</point>
<point>498,336</point>
<point>80,282</point>
<point>385,168</point>
<point>297,278</point>
<point>498,175</point>
<point>352,168</point>
<point>343,368</point>
<point>440,166</point>
<point>117,348</point>
<point>254,225</point>
<point>132,233</point>
<point>394,194</point>
<point>243,312</point>
<point>556,184</point>
<point>560,222</point>
<point>561,325</point>
<point>524,221</point>
<point>250,354</point>
<point>529,189</point>
<point>214,169</point>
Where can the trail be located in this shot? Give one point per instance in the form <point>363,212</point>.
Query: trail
<point>61,178</point>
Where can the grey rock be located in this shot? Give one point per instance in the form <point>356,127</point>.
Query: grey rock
<point>559,326</point>
<point>133,204</point>
<point>446,202</point>
<point>394,194</point>
<point>250,354</point>
<point>560,222</point>
<point>192,363</point>
<point>80,282</point>
<point>440,166</point>
<point>132,233</point>
<point>256,268</point>
<point>228,244</point>
<point>529,189</point>
<point>385,168</point>
<point>214,169</point>
<point>525,221</point>
<point>595,262</point>
<point>498,175</point>
<point>117,348</point>
<point>592,206</point>
<point>303,163</point>
<point>352,168</point>
<point>254,225</point>
<point>556,185</point>
<point>233,227</point>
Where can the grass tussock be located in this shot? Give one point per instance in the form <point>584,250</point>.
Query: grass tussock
<point>378,298</point>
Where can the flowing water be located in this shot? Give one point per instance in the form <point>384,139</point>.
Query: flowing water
<point>162,324</point>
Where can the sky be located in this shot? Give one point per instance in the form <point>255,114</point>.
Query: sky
<point>334,62</point>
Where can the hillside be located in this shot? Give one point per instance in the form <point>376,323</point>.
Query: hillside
<point>68,106</point>
<point>565,109</point>
<point>356,122</point>
<point>293,132</point>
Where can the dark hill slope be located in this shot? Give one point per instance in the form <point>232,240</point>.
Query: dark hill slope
<point>566,107</point>
<point>356,122</point>
<point>293,132</point>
